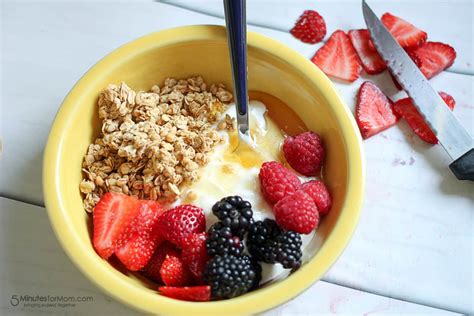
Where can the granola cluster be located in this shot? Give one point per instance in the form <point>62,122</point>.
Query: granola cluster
<point>152,143</point>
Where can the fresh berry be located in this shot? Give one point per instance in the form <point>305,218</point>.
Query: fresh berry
<point>111,217</point>
<point>304,152</point>
<point>152,269</point>
<point>173,272</point>
<point>310,27</point>
<point>144,239</point>
<point>276,181</point>
<point>417,62</point>
<point>405,33</point>
<point>318,191</point>
<point>297,212</point>
<point>268,243</point>
<point>435,57</point>
<point>409,112</point>
<point>373,110</point>
<point>338,58</point>
<point>176,224</point>
<point>230,276</point>
<point>221,241</point>
<point>235,213</point>
<point>371,61</point>
<point>200,293</point>
<point>194,254</point>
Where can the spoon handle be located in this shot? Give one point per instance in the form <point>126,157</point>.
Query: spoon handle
<point>237,38</point>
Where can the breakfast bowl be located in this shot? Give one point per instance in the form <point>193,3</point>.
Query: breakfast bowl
<point>274,69</point>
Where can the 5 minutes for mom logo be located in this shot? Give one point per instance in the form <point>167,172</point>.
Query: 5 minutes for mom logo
<point>48,301</point>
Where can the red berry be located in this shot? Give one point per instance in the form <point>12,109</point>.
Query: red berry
<point>373,110</point>
<point>409,112</point>
<point>187,293</point>
<point>435,57</point>
<point>320,195</point>
<point>304,152</point>
<point>276,181</point>
<point>152,269</point>
<point>371,61</point>
<point>297,212</point>
<point>338,58</point>
<point>176,224</point>
<point>112,215</point>
<point>144,239</point>
<point>405,33</point>
<point>173,272</point>
<point>310,27</point>
<point>194,254</point>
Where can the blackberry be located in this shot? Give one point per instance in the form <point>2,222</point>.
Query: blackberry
<point>235,213</point>
<point>221,241</point>
<point>268,243</point>
<point>230,276</point>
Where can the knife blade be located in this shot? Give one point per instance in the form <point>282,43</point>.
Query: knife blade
<point>451,134</point>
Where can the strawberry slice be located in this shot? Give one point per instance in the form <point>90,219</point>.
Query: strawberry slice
<point>371,61</point>
<point>152,269</point>
<point>310,27</point>
<point>176,224</point>
<point>187,293</point>
<point>338,58</point>
<point>405,33</point>
<point>409,112</point>
<point>435,57</point>
<point>373,110</point>
<point>194,254</point>
<point>144,239</point>
<point>111,217</point>
<point>173,272</point>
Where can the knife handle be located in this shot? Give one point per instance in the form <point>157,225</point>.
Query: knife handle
<point>463,167</point>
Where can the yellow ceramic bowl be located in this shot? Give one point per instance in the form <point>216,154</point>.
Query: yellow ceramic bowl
<point>273,68</point>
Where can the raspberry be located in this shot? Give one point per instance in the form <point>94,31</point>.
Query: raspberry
<point>310,27</point>
<point>320,195</point>
<point>276,181</point>
<point>297,212</point>
<point>304,153</point>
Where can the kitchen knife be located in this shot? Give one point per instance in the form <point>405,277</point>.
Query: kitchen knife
<point>451,134</point>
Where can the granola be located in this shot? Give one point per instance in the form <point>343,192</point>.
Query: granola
<point>153,143</point>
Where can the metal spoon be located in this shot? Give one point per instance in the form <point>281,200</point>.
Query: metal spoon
<point>237,38</point>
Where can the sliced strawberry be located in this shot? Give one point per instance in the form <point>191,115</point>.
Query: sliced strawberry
<point>338,58</point>
<point>194,254</point>
<point>111,217</point>
<point>144,239</point>
<point>152,269</point>
<point>373,110</point>
<point>409,112</point>
<point>176,224</point>
<point>405,33</point>
<point>187,293</point>
<point>370,58</point>
<point>310,27</point>
<point>173,272</point>
<point>435,57</point>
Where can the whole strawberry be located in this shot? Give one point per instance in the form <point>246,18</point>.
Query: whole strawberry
<point>194,254</point>
<point>297,212</point>
<point>276,181</point>
<point>304,152</point>
<point>176,224</point>
<point>319,193</point>
<point>310,27</point>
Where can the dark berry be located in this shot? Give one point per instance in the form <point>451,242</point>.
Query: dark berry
<point>268,243</point>
<point>235,213</point>
<point>230,276</point>
<point>221,241</point>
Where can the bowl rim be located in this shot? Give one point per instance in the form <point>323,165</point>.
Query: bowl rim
<point>268,297</point>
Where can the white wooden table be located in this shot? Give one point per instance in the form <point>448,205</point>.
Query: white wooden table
<point>413,249</point>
